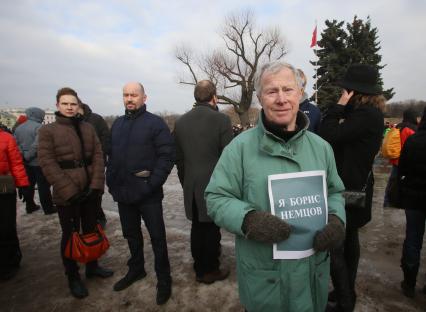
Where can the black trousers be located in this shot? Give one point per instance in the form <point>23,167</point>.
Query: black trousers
<point>75,217</point>
<point>344,268</point>
<point>10,253</point>
<point>36,176</point>
<point>100,215</point>
<point>205,244</point>
<point>152,215</point>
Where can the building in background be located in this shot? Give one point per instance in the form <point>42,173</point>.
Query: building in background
<point>9,116</point>
<point>49,117</point>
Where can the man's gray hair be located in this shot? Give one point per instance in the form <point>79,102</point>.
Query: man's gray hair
<point>273,68</point>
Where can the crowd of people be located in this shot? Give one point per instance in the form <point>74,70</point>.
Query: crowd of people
<point>227,175</point>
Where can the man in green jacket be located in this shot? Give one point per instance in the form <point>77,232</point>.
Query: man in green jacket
<point>237,200</point>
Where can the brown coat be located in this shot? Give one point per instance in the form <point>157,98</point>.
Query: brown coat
<point>58,142</point>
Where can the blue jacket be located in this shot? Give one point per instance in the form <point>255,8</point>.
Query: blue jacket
<point>139,142</point>
<point>313,113</point>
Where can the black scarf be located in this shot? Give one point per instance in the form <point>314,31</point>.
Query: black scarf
<point>278,130</point>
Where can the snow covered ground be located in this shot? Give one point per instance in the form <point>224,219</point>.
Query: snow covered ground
<point>41,285</point>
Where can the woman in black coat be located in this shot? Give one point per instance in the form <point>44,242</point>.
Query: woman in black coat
<point>354,127</point>
<point>412,179</point>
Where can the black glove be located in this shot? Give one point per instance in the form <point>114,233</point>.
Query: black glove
<point>80,197</point>
<point>264,227</point>
<point>331,236</point>
<point>94,194</point>
<point>23,193</point>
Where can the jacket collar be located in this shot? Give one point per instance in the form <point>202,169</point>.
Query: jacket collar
<point>304,97</point>
<point>133,114</point>
<point>68,120</point>
<point>205,104</point>
<point>275,146</point>
<point>87,110</point>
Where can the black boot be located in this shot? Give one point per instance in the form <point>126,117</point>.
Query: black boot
<point>30,208</point>
<point>98,271</point>
<point>164,291</point>
<point>50,210</point>
<point>408,285</point>
<point>129,279</point>
<point>77,288</point>
<point>407,290</point>
<point>8,274</point>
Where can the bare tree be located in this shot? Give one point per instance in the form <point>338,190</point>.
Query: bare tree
<point>232,68</point>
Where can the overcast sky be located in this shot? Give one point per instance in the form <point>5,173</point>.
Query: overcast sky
<point>96,47</point>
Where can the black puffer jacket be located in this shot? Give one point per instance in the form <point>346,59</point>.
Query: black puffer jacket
<point>139,142</point>
<point>412,169</point>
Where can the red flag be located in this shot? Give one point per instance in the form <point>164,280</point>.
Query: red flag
<point>314,37</point>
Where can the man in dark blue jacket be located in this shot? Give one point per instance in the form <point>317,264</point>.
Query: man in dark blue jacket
<point>141,157</point>
<point>311,110</point>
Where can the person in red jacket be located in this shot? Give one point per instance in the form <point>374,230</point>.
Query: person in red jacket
<point>21,119</point>
<point>10,164</point>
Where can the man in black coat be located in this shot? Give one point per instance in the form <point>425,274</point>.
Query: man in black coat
<point>412,179</point>
<point>310,110</point>
<point>200,136</point>
<point>103,133</point>
<point>100,125</point>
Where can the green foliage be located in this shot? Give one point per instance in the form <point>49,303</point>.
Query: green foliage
<point>340,47</point>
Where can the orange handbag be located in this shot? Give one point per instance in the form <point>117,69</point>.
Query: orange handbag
<point>85,248</point>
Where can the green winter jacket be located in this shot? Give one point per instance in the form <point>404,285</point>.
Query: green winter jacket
<point>239,185</point>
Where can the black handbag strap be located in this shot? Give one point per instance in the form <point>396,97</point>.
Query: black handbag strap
<point>370,174</point>
<point>76,219</point>
<point>77,216</point>
<point>83,158</point>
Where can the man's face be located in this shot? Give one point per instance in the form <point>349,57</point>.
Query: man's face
<point>133,96</point>
<point>280,96</point>
<point>68,105</point>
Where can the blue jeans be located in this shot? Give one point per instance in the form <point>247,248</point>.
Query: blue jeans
<point>413,243</point>
<point>152,215</point>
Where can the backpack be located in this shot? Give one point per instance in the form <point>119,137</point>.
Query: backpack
<point>391,146</point>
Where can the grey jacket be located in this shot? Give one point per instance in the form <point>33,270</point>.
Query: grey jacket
<point>27,135</point>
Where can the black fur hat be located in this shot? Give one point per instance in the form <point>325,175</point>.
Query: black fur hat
<point>362,78</point>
